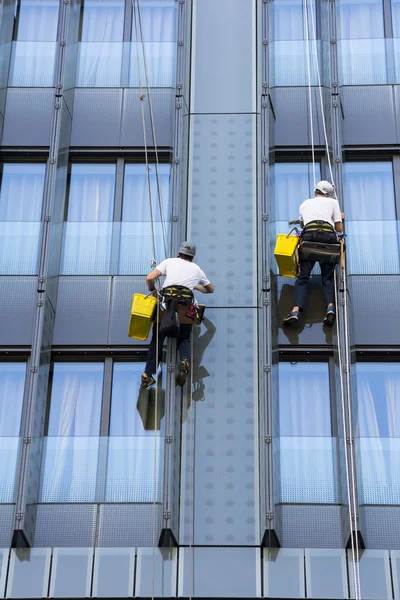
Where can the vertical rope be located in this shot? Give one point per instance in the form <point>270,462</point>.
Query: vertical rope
<point>309,89</point>
<point>191,454</point>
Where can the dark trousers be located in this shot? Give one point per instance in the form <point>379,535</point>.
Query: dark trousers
<point>306,266</point>
<point>183,345</point>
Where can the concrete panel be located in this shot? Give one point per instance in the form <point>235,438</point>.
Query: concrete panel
<point>28,117</point>
<point>97,117</point>
<point>17,300</point>
<point>163,102</point>
<point>369,115</point>
<point>224,69</point>
<point>82,310</point>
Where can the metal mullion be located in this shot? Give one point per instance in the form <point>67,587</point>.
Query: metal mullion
<point>396,184</point>
<point>106,397</point>
<point>117,216</point>
<point>128,21</point>
<point>387,19</point>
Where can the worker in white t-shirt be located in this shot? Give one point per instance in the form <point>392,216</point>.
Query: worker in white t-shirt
<point>320,218</point>
<point>180,271</point>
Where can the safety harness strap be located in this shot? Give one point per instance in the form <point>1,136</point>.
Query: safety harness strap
<point>179,292</point>
<point>318,226</point>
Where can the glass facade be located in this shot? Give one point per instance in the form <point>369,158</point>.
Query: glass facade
<point>192,120</point>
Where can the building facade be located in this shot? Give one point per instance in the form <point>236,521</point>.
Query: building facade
<point>126,127</point>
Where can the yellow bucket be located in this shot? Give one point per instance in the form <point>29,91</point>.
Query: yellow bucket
<point>285,254</point>
<point>142,313</point>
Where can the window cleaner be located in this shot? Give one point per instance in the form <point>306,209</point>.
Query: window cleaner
<point>182,276</point>
<point>320,218</point>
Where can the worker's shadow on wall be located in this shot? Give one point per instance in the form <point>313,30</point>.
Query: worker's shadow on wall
<point>310,328</point>
<point>151,402</point>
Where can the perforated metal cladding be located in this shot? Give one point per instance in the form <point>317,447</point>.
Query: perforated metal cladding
<point>223,492</point>
<point>312,526</point>
<point>82,310</point>
<point>28,116</point>
<point>380,526</point>
<point>292,125</point>
<point>97,118</point>
<point>372,104</point>
<point>65,525</point>
<point>122,291</point>
<point>222,191</point>
<point>17,298</point>
<point>132,124</point>
<point>129,525</point>
<point>309,329</point>
<point>6,524</point>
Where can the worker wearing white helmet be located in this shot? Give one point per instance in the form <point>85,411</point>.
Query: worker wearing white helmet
<point>320,218</point>
<point>185,276</point>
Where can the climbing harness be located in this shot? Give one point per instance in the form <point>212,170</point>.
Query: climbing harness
<point>343,366</point>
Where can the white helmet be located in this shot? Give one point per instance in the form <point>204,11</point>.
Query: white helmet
<point>326,188</point>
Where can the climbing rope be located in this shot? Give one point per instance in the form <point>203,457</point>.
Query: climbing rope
<point>347,426</point>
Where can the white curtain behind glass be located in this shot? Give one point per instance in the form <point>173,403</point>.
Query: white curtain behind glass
<point>88,230</point>
<point>378,427</point>
<point>33,57</point>
<point>21,199</point>
<point>136,238</point>
<point>158,31</point>
<point>396,18</point>
<point>12,383</point>
<point>306,459</point>
<point>101,47</point>
<point>369,206</point>
<point>71,453</point>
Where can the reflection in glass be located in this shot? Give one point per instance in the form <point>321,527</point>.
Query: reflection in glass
<point>136,246</point>
<point>34,51</point>
<point>158,21</point>
<point>21,199</point>
<point>294,183</point>
<point>290,63</point>
<point>305,452</point>
<point>88,231</point>
<point>12,382</point>
<point>289,20</point>
<point>377,425</point>
<point>364,61</point>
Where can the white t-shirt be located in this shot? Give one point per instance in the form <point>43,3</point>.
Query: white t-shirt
<point>182,272</point>
<point>320,208</point>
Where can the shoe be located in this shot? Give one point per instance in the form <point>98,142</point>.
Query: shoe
<point>330,316</point>
<point>291,317</point>
<point>183,372</point>
<point>147,381</point>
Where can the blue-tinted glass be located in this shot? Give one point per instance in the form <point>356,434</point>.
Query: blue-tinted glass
<point>360,19</point>
<point>369,191</point>
<point>88,230</point>
<point>76,394</point>
<point>305,460</point>
<point>12,382</point>
<point>377,425</point>
<point>157,21</point>
<point>396,18</point>
<point>103,21</point>
<point>137,230</point>
<point>289,19</point>
<point>37,21</point>
<point>365,61</point>
<point>294,182</point>
<point>21,199</point>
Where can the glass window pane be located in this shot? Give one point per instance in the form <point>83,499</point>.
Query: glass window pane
<point>396,18</point>
<point>289,20</point>
<point>158,21</point>
<point>136,229</point>
<point>360,19</point>
<point>76,394</point>
<point>369,191</point>
<point>103,20</point>
<point>88,230</point>
<point>294,182</point>
<point>37,20</point>
<point>21,199</point>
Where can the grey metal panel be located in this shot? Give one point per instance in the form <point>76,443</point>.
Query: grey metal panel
<point>71,573</point>
<point>97,117</point>
<point>82,310</point>
<point>29,573</point>
<point>224,489</point>
<point>222,211</point>
<point>310,526</point>
<point>292,124</point>
<point>310,328</point>
<point>326,573</point>
<point>375,576</point>
<point>219,573</point>
<point>17,301</point>
<point>123,287</point>
<point>129,524</point>
<point>224,62</point>
<point>28,117</point>
<point>163,102</point>
<point>284,573</point>
<point>379,296</point>
<point>380,526</point>
<point>369,115</point>
<point>6,524</point>
<point>65,525</point>
<point>113,573</point>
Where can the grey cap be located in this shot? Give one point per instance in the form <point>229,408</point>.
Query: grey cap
<point>325,188</point>
<point>187,248</point>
